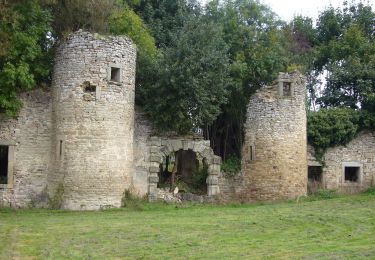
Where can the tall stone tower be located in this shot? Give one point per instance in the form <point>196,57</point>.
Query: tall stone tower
<point>274,153</point>
<point>93,111</point>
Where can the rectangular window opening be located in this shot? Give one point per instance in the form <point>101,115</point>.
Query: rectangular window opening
<point>315,173</point>
<point>4,155</point>
<point>287,88</point>
<point>352,173</point>
<point>115,74</point>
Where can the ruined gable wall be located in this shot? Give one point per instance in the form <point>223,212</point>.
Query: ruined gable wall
<point>276,131</point>
<point>30,136</point>
<point>360,151</point>
<point>93,145</point>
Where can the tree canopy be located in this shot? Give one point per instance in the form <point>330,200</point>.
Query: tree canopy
<point>26,50</point>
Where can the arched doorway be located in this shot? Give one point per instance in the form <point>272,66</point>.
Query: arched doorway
<point>161,147</point>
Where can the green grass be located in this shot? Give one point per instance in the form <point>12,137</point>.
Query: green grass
<point>337,228</point>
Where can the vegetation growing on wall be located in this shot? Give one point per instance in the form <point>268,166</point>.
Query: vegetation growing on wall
<point>231,166</point>
<point>331,127</point>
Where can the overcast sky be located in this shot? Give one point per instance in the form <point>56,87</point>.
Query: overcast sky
<point>286,9</point>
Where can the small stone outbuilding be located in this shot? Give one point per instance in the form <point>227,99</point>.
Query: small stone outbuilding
<point>347,169</point>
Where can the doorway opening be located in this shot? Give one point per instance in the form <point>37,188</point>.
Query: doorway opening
<point>185,170</point>
<point>315,179</point>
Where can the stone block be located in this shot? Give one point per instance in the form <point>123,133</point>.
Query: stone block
<point>154,169</point>
<point>212,180</point>
<point>214,169</point>
<point>154,149</point>
<point>176,144</point>
<point>155,141</point>
<point>216,159</point>
<point>213,190</point>
<point>153,179</point>
<point>185,144</point>
<point>156,158</point>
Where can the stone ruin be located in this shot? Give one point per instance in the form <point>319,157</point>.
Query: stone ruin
<point>83,142</point>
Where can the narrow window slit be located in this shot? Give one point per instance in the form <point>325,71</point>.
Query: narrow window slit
<point>4,155</point>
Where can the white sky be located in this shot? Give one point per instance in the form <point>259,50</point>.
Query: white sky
<point>286,9</point>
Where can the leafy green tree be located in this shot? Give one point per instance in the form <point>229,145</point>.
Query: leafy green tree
<point>127,22</point>
<point>346,50</point>
<point>26,53</point>
<point>166,18</point>
<point>258,51</point>
<point>192,79</point>
<point>72,15</point>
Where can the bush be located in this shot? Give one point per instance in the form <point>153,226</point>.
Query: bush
<point>370,191</point>
<point>322,194</point>
<point>231,165</point>
<point>55,202</point>
<point>330,127</point>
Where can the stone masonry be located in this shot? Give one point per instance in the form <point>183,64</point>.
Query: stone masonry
<point>93,112</point>
<point>84,138</point>
<point>274,152</point>
<point>78,136</point>
<point>29,140</point>
<point>359,154</point>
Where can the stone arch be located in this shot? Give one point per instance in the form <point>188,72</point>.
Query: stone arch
<point>161,147</point>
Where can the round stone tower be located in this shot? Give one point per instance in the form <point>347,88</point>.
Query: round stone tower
<point>274,153</point>
<point>93,113</point>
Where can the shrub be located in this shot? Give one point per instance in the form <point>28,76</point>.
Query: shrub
<point>370,191</point>
<point>330,127</point>
<point>322,194</point>
<point>55,201</point>
<point>231,165</point>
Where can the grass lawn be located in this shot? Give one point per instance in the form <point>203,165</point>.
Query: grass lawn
<point>338,228</point>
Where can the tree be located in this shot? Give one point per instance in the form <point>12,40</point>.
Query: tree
<point>166,18</point>
<point>26,53</point>
<point>72,15</point>
<point>192,79</point>
<point>346,50</point>
<point>258,51</point>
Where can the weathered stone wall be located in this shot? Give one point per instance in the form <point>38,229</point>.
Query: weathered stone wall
<point>274,153</point>
<point>94,120</point>
<point>359,152</point>
<point>142,133</point>
<point>29,139</point>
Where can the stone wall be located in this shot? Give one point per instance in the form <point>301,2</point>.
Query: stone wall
<point>359,152</point>
<point>29,140</point>
<point>274,162</point>
<point>93,111</point>
<point>142,133</point>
